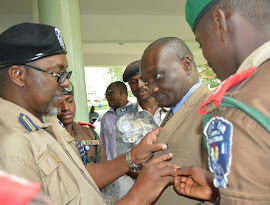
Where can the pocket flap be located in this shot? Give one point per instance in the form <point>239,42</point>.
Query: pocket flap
<point>48,162</point>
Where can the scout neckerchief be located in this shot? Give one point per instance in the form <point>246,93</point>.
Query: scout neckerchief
<point>218,132</point>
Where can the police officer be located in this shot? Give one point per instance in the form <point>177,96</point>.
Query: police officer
<point>33,144</point>
<point>87,140</point>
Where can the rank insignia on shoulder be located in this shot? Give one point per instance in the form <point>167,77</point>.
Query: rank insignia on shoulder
<point>218,134</point>
<point>28,123</point>
<point>123,110</point>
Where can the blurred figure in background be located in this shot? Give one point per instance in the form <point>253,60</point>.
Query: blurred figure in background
<point>93,116</point>
<point>117,96</point>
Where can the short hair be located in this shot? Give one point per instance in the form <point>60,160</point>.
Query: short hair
<point>175,46</point>
<point>3,76</point>
<point>121,85</point>
<point>257,12</point>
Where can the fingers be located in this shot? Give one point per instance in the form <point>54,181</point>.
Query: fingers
<point>186,171</point>
<point>161,158</point>
<point>160,166</point>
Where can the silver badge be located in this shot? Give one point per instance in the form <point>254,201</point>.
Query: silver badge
<point>60,38</point>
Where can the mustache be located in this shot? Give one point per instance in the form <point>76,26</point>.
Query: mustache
<point>143,89</point>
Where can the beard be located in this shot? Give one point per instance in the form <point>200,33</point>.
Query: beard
<point>53,110</point>
<point>54,106</point>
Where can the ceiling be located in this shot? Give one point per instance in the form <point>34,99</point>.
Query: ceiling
<point>116,32</point>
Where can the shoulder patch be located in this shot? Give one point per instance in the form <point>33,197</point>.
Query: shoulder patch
<point>123,110</point>
<point>28,123</point>
<point>218,134</point>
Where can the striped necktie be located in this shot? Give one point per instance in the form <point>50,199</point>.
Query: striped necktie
<point>166,118</point>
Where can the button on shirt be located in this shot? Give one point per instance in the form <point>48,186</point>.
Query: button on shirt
<point>130,128</point>
<point>106,132</point>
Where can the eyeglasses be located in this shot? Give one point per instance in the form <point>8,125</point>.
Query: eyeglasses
<point>61,77</point>
<point>108,92</point>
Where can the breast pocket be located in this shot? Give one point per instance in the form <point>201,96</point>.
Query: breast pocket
<point>62,187</point>
<point>133,136</point>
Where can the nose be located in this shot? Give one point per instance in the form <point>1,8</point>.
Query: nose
<point>141,83</point>
<point>65,83</point>
<point>64,106</point>
<point>152,88</point>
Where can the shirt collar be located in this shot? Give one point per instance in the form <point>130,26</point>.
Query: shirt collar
<point>186,96</point>
<point>112,109</point>
<point>139,109</point>
<point>256,58</point>
<point>10,112</point>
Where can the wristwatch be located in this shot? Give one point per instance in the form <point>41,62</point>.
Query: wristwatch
<point>131,165</point>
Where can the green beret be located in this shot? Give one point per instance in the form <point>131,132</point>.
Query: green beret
<point>27,42</point>
<point>196,9</point>
<point>69,90</point>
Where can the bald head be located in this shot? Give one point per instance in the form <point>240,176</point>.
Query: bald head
<point>169,70</point>
<point>173,45</point>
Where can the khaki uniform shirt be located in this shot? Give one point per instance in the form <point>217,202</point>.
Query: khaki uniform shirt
<point>82,133</point>
<point>183,134</point>
<point>249,168</point>
<point>47,156</point>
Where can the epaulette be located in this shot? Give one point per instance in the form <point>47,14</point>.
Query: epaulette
<point>28,123</point>
<point>88,124</point>
<point>123,110</point>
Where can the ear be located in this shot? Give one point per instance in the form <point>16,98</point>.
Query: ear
<point>220,23</point>
<point>16,74</point>
<point>122,92</point>
<point>187,64</point>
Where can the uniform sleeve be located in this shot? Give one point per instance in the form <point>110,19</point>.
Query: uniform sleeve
<point>248,181</point>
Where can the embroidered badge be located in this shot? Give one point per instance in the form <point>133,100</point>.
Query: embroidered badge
<point>218,133</point>
<point>60,38</point>
<point>28,123</point>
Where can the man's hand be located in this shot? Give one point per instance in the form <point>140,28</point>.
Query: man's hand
<point>145,149</point>
<point>154,177</point>
<point>196,183</point>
